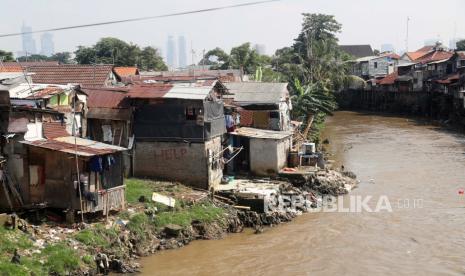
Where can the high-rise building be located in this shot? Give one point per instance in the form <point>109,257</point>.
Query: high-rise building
<point>47,47</point>
<point>260,48</point>
<point>29,44</point>
<point>171,52</point>
<point>182,51</point>
<point>387,47</point>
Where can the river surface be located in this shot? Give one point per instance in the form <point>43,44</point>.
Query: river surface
<point>418,168</point>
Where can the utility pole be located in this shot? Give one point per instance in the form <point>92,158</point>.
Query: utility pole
<point>406,37</point>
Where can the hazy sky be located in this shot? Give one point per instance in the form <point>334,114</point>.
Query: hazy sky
<point>274,24</point>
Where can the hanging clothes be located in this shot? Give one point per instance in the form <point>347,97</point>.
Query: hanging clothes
<point>96,164</point>
<point>107,134</point>
<point>229,123</point>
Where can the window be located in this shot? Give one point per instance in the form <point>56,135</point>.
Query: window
<point>191,114</point>
<point>376,65</point>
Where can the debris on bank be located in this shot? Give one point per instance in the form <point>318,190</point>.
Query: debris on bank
<point>163,215</point>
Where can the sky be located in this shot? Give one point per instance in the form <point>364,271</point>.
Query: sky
<point>275,24</point>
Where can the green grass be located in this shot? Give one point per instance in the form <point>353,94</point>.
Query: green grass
<point>61,259</point>
<point>139,224</point>
<point>136,188</point>
<point>206,212</point>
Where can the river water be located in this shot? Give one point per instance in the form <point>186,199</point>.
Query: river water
<point>415,167</point>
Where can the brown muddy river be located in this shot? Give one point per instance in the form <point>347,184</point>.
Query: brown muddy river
<point>408,162</point>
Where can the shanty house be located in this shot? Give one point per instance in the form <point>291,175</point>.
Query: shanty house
<point>67,99</point>
<point>109,115</point>
<point>73,174</point>
<point>24,121</point>
<point>264,105</point>
<point>178,129</point>
<point>264,152</point>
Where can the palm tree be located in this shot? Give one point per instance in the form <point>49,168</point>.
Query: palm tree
<point>312,99</point>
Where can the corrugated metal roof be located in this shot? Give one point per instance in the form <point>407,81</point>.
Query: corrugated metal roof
<point>257,92</point>
<point>193,91</point>
<point>107,97</point>
<point>261,133</point>
<point>85,147</point>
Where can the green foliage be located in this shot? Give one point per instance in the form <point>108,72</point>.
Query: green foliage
<point>150,59</point>
<point>241,57</point>
<point>313,99</point>
<point>33,58</point>
<point>61,259</point>
<point>110,50</point>
<point>217,58</point>
<point>460,45</point>
<point>7,56</point>
<point>62,57</point>
<point>205,212</point>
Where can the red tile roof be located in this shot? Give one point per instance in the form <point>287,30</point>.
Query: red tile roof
<point>388,80</point>
<point>107,97</point>
<point>391,55</point>
<point>420,52</point>
<point>54,130</point>
<point>122,72</point>
<point>434,56</point>
<point>85,75</point>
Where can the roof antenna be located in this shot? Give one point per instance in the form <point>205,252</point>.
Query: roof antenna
<point>406,37</point>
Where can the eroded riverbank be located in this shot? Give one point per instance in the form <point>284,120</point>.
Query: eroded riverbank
<point>394,157</point>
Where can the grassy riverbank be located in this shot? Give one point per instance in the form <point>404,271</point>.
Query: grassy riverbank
<point>140,230</point>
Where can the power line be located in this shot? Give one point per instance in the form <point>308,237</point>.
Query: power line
<point>141,18</point>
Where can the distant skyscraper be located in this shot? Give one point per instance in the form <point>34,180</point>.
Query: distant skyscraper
<point>260,48</point>
<point>47,47</point>
<point>29,44</point>
<point>387,48</point>
<point>171,52</point>
<point>182,51</point>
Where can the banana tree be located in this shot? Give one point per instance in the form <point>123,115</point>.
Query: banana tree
<point>312,99</point>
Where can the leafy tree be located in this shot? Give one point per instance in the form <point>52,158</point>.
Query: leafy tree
<point>376,52</point>
<point>62,57</point>
<point>315,67</point>
<point>245,58</point>
<point>6,56</point>
<point>311,100</point>
<point>33,58</point>
<point>111,50</point>
<point>217,58</point>
<point>150,59</point>
<point>461,45</point>
<point>85,55</point>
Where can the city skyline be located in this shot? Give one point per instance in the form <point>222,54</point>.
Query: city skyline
<point>280,23</point>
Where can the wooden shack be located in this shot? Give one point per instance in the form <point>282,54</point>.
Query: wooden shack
<point>73,174</point>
